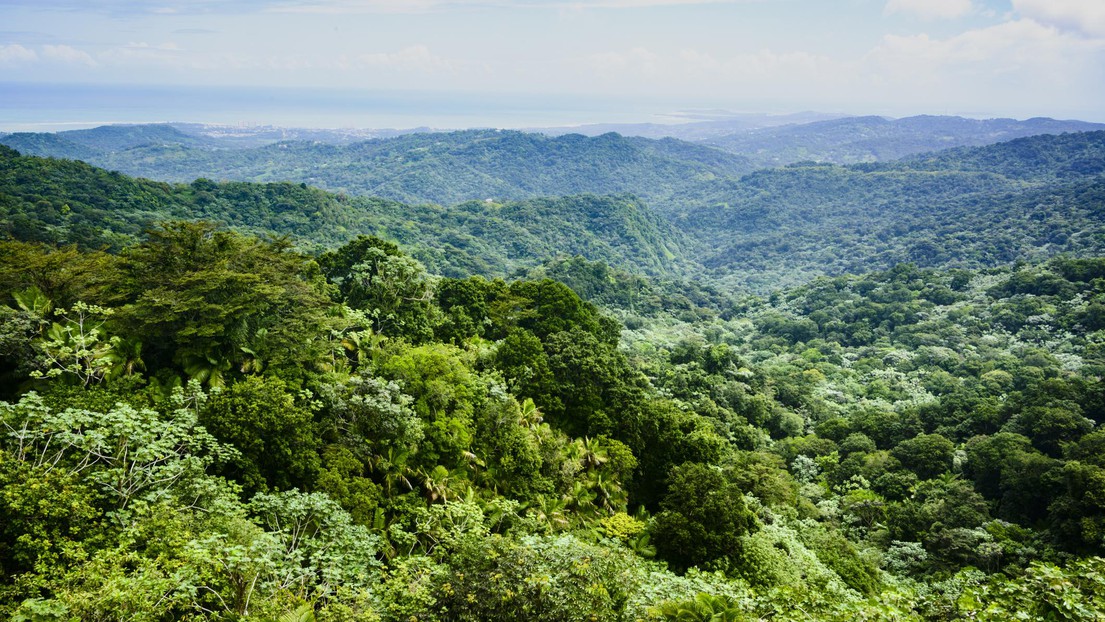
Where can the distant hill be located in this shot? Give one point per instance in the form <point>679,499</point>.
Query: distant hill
<point>693,126</point>
<point>64,202</point>
<point>443,168</point>
<point>49,145</point>
<point>876,139</point>
<point>239,137</point>
<point>1036,158</point>
<point>1029,198</point>
<point>114,138</point>
<point>98,142</point>
<point>1025,199</point>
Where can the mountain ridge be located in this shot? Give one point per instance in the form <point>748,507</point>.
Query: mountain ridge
<point>442,168</point>
<point>873,138</point>
<point>1030,199</point>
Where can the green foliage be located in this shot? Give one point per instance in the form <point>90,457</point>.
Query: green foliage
<point>594,385</point>
<point>324,550</point>
<point>703,608</point>
<point>703,519</point>
<point>394,290</point>
<point>137,454</point>
<point>76,346</point>
<point>535,578</point>
<point>768,229</point>
<point>473,448</point>
<point>62,202</point>
<point>927,455</point>
<point>439,379</point>
<point>444,168</point>
<point>215,302</point>
<point>1043,592</point>
<point>871,139</point>
<point>275,435</point>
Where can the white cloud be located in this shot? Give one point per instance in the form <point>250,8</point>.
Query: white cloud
<point>425,6</point>
<point>1085,16</point>
<point>1020,62</point>
<point>1018,65</point>
<point>140,51</point>
<point>696,72</point>
<point>345,7</point>
<point>633,4</point>
<point>1013,44</point>
<point>171,56</point>
<point>637,59</point>
<point>929,9</point>
<point>14,53</point>
<point>67,54</point>
<point>412,58</point>
<point>702,61</point>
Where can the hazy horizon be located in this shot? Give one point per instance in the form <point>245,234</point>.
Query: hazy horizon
<point>60,107</point>
<point>521,63</point>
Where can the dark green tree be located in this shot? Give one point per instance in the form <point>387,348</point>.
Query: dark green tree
<point>703,518</point>
<point>275,435</point>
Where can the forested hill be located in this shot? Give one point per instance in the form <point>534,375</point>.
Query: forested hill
<point>211,426</point>
<point>1037,158</point>
<point>1025,199</point>
<point>443,168</point>
<point>205,422</point>
<point>63,202</point>
<point>870,139</point>
<point>1030,199</point>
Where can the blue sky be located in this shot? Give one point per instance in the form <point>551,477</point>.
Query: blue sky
<point>896,57</point>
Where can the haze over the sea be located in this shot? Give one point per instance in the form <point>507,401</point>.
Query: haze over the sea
<point>517,63</point>
<point>56,107</point>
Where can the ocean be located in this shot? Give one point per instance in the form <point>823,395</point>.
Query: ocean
<point>38,107</point>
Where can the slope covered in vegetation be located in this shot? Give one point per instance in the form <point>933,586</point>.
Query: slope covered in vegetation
<point>443,168</point>
<point>211,425</point>
<point>67,202</point>
<point>271,415</point>
<point>1028,199</point>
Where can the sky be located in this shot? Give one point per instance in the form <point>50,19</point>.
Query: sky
<point>979,58</point>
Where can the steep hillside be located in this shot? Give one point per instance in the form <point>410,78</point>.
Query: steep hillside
<point>48,145</point>
<point>63,201</point>
<point>1025,199</point>
<point>100,141</point>
<point>1043,158</point>
<point>443,168</point>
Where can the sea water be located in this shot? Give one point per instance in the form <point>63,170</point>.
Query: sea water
<point>53,107</point>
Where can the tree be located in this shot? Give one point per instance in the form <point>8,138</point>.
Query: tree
<point>1053,426</point>
<point>703,518</point>
<point>544,579</point>
<point>63,275</point>
<point>439,379</point>
<point>704,607</point>
<point>368,414</point>
<point>275,435</point>
<point>597,387</point>
<point>392,288</point>
<point>1042,592</point>
<point>129,453</point>
<point>927,455</point>
<point>215,300</point>
<point>521,358</point>
<point>77,346</point>
<point>556,308</point>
